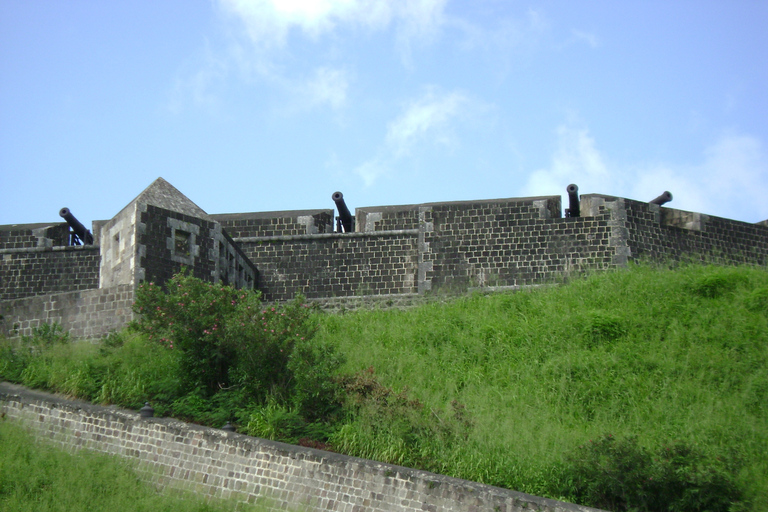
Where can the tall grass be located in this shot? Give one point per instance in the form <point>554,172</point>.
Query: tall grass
<point>664,355</point>
<point>38,477</point>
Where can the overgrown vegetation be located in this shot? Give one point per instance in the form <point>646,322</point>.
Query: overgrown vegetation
<point>38,477</point>
<point>642,389</point>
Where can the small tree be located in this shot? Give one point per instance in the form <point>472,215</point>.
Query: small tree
<point>224,337</point>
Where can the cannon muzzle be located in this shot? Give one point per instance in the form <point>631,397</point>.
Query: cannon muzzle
<point>573,201</point>
<point>663,198</point>
<point>345,219</point>
<point>79,235</point>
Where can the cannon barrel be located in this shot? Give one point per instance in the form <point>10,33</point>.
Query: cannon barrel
<point>345,218</point>
<point>573,201</point>
<point>663,198</point>
<point>81,235</point>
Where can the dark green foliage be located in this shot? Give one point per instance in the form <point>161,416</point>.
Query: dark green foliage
<point>225,338</point>
<point>620,475</point>
<point>718,282</point>
<point>757,300</point>
<point>602,327</point>
<point>313,365</point>
<point>392,427</point>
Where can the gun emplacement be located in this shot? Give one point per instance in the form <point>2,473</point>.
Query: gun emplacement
<point>345,219</point>
<point>79,235</point>
<point>573,201</point>
<point>663,198</point>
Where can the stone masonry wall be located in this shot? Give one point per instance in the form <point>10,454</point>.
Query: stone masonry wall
<point>33,235</point>
<point>170,241</point>
<point>331,265</point>
<point>396,251</point>
<point>230,465</point>
<point>665,233</point>
<point>285,223</point>
<point>86,314</point>
<point>509,243</point>
<point>43,270</point>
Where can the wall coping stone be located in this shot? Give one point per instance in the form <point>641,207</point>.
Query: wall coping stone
<point>318,236</point>
<point>55,248</point>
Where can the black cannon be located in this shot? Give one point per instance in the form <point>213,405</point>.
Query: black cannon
<point>663,198</point>
<point>79,235</point>
<point>345,219</point>
<point>573,201</point>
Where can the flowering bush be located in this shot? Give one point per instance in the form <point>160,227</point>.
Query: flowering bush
<point>224,337</point>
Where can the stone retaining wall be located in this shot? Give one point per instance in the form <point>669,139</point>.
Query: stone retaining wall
<point>86,314</point>
<point>229,465</point>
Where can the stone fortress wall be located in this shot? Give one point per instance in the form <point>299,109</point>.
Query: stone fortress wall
<point>395,254</point>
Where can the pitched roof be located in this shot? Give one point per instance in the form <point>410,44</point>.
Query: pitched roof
<point>164,195</point>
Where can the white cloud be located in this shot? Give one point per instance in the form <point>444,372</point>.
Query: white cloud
<point>576,160</point>
<point>372,170</point>
<point>428,116</point>
<point>268,22</point>
<point>327,86</point>
<point>730,181</point>
<point>199,87</point>
<point>432,119</point>
<point>591,39</point>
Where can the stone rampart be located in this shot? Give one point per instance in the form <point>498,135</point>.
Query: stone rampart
<point>86,314</point>
<point>423,249</point>
<point>31,271</point>
<point>229,465</point>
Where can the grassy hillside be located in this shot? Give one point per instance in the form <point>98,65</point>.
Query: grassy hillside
<point>668,356</point>
<point>627,390</point>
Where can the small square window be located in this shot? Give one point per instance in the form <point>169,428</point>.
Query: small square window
<point>181,243</point>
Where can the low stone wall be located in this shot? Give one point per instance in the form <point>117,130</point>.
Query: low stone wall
<point>86,314</point>
<point>230,465</point>
<point>28,272</point>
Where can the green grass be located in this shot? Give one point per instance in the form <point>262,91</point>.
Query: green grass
<point>505,388</point>
<point>37,477</point>
<point>664,355</point>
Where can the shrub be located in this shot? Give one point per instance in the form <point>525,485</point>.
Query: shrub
<point>193,317</point>
<point>601,326</point>
<point>718,282</point>
<point>313,364</point>
<point>229,345</point>
<point>620,475</point>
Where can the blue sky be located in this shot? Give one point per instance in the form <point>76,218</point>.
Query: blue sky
<point>273,105</point>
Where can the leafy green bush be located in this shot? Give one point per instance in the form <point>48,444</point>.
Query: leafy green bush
<point>222,335</point>
<point>236,356</point>
<point>620,475</point>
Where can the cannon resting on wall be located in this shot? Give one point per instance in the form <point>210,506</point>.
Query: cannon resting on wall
<point>663,198</point>
<point>573,201</point>
<point>79,235</point>
<point>345,219</point>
